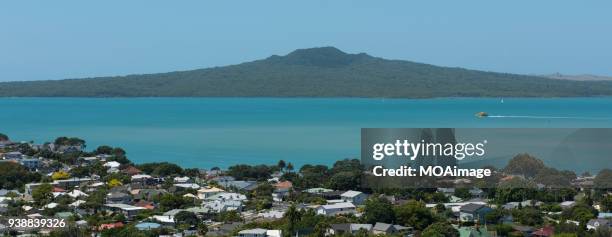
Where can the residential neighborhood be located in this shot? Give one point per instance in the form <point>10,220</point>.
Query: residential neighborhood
<point>102,193</point>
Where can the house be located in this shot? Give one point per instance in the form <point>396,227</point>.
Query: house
<point>70,148</point>
<point>545,231</point>
<point>446,191</point>
<point>186,186</point>
<point>131,171</point>
<point>128,211</point>
<point>336,209</point>
<point>30,163</point>
<point>253,233</point>
<point>474,212</point>
<point>110,226</point>
<point>147,226</point>
<point>224,205</point>
<point>477,193</point>
<point>71,182</point>
<point>77,193</point>
<point>318,190</point>
<point>207,192</point>
<point>183,179</point>
<point>348,228</point>
<point>595,224</point>
<point>14,155</point>
<point>281,190</point>
<point>147,194</point>
<point>118,197</point>
<point>144,180</point>
<point>387,229</point>
<point>258,232</point>
<point>239,185</point>
<point>164,220</point>
<point>112,164</point>
<point>468,231</point>
<point>567,204</point>
<point>354,197</point>
<point>527,203</point>
<point>227,197</point>
<point>88,160</point>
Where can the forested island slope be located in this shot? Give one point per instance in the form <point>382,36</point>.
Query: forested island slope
<point>315,72</point>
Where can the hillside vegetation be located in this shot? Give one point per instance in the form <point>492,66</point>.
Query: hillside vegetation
<point>315,72</point>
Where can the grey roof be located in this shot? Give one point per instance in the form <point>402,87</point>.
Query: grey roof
<point>471,207</point>
<point>341,227</point>
<point>117,195</point>
<point>257,231</point>
<point>382,226</point>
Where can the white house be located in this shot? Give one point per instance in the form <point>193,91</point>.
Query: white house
<point>258,232</point>
<point>112,164</point>
<point>184,179</point>
<point>355,197</point>
<point>207,192</point>
<point>337,208</point>
<point>128,211</point>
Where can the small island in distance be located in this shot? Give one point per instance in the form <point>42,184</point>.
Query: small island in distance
<point>315,72</point>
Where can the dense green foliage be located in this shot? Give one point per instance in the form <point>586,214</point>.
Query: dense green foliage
<point>161,169</point>
<point>13,175</point>
<point>258,172</point>
<point>440,229</point>
<point>69,141</point>
<point>317,72</point>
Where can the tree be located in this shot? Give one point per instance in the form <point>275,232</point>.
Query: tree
<point>114,183</point>
<point>43,194</point>
<point>103,150</point>
<point>495,216</point>
<point>228,216</point>
<point>13,175</point>
<point>202,229</point>
<point>580,212</point>
<point>463,193</point>
<point>345,180</point>
<point>606,203</point>
<point>69,141</point>
<point>170,201</point>
<point>378,209</point>
<point>603,180</point>
<point>292,216</point>
<point>440,229</point>
<point>524,164</point>
<point>3,137</point>
<point>186,218</point>
<point>289,167</point>
<point>161,169</point>
<point>528,216</point>
<point>415,214</point>
<point>60,175</point>
<point>281,165</point>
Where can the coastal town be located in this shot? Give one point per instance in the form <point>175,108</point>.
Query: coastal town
<point>100,192</point>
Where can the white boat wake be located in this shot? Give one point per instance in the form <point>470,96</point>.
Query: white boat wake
<point>548,117</point>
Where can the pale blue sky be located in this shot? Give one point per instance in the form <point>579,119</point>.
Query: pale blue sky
<point>69,39</point>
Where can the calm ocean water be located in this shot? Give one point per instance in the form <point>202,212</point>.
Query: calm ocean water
<point>208,132</point>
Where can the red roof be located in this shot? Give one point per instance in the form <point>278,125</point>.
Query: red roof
<point>145,204</point>
<point>131,170</point>
<point>284,185</point>
<point>110,225</point>
<point>58,190</point>
<point>544,231</point>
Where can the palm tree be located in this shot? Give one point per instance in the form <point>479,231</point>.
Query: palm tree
<point>281,165</point>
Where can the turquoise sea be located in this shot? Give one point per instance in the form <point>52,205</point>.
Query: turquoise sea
<point>208,132</point>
